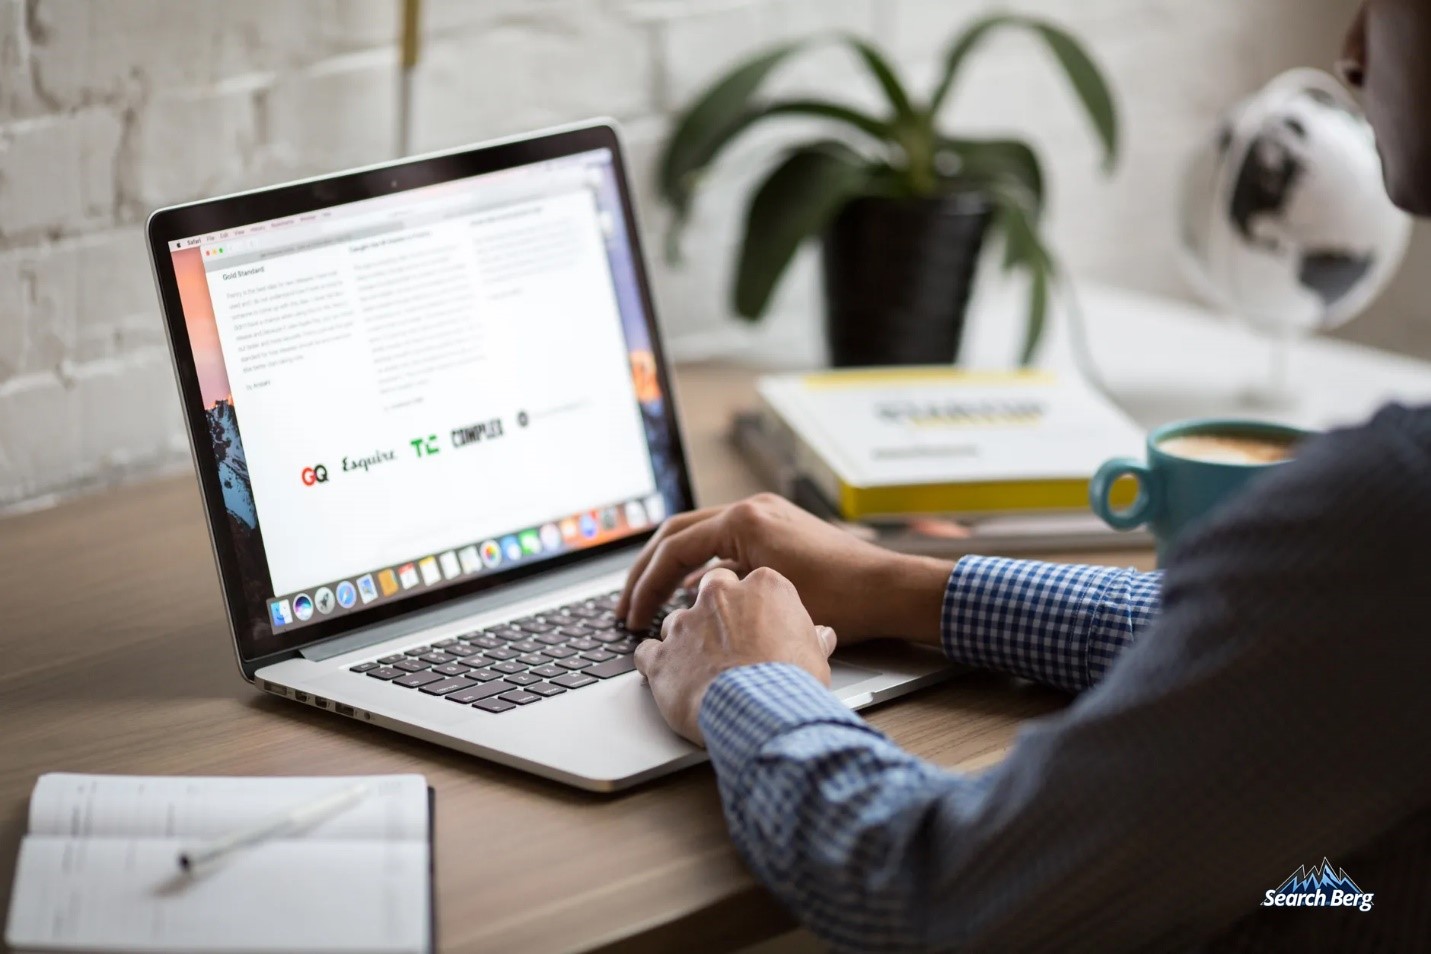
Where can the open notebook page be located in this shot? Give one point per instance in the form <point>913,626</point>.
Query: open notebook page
<point>99,870</point>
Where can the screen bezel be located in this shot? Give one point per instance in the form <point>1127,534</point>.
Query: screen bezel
<point>235,211</point>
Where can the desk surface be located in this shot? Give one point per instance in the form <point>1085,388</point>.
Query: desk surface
<point>116,659</point>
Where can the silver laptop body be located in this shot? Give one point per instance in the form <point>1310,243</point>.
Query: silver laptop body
<point>433,426</point>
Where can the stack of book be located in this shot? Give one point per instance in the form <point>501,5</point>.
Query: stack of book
<point>941,461</point>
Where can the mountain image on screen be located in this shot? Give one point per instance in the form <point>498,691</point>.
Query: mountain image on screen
<point>238,501</point>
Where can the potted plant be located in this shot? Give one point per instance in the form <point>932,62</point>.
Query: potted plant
<point>902,206</point>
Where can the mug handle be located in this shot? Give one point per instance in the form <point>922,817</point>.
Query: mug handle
<point>1149,495</point>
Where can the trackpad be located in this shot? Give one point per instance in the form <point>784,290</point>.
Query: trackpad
<point>843,675</point>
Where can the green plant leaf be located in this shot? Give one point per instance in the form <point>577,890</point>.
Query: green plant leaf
<point>796,201</point>
<point>959,51</point>
<point>710,121</point>
<point>1088,83</point>
<point>1025,249</point>
<point>884,74</point>
<point>1083,74</point>
<point>697,162</point>
<point>1001,161</point>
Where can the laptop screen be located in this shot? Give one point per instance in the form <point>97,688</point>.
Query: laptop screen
<point>413,391</point>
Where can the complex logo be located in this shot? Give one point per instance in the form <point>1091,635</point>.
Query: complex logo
<point>317,474</point>
<point>1321,886</point>
<point>476,433</point>
<point>363,463</point>
<point>425,446</point>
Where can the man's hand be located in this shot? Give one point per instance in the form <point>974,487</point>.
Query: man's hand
<point>734,622</point>
<point>856,587</point>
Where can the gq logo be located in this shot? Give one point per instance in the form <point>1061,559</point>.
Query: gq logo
<point>314,475</point>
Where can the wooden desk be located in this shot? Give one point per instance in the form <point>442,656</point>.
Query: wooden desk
<point>114,658</point>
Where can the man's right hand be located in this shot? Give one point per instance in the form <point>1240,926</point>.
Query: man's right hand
<point>859,589</point>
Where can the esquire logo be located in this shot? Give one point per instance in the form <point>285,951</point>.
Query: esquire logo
<point>372,460</point>
<point>1321,886</point>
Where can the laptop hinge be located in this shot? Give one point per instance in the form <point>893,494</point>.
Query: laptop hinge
<point>481,603</point>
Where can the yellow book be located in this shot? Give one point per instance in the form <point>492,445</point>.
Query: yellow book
<point>899,441</point>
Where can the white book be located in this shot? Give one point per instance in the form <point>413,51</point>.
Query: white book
<point>901,441</point>
<point>98,870</point>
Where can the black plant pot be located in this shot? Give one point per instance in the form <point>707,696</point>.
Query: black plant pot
<point>898,273</point>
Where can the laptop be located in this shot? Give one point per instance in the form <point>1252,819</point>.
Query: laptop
<point>433,426</point>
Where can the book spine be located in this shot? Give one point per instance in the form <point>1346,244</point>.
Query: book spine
<point>787,443</point>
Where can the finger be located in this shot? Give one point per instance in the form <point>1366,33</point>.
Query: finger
<point>646,652</point>
<point>693,580</point>
<point>676,556</point>
<point>715,574</point>
<point>828,639</point>
<point>672,525</point>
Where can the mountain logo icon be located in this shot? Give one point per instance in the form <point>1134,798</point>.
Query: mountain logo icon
<point>1320,886</point>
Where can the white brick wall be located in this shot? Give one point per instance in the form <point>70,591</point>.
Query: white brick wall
<point>110,108</point>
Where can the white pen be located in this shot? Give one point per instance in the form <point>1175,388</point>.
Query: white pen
<point>295,819</point>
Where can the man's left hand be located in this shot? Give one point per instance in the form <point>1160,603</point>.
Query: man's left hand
<point>734,622</point>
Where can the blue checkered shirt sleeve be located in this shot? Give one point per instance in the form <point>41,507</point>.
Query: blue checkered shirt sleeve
<point>1058,624</point>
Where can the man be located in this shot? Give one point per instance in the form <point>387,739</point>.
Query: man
<point>1261,706</point>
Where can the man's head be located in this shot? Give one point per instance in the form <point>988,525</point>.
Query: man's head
<point>1387,57</point>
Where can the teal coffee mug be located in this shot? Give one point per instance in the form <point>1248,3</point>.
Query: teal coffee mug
<point>1192,467</point>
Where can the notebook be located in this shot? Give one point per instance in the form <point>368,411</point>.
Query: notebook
<point>98,870</point>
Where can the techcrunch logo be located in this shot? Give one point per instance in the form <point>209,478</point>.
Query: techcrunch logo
<point>1321,886</point>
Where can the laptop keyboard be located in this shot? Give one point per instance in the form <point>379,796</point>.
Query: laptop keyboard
<point>524,660</point>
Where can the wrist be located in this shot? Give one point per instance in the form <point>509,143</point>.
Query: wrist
<point>908,596</point>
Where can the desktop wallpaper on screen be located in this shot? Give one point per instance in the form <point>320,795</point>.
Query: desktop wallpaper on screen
<point>223,413</point>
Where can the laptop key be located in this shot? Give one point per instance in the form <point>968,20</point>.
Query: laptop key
<point>545,689</point>
<point>385,672</point>
<point>558,652</point>
<point>510,665</point>
<point>547,671</point>
<point>582,643</point>
<point>573,663</point>
<point>436,658</point>
<point>533,659</point>
<point>494,705</point>
<point>521,697</point>
<point>478,693</point>
<point>411,665</point>
<point>525,646</point>
<point>537,627</point>
<point>507,632</point>
<point>389,660</point>
<point>487,642</point>
<point>447,685</point>
<point>550,639</point>
<point>613,668</point>
<point>451,669</point>
<point>444,643</point>
<point>625,646</point>
<point>461,651</point>
<point>522,678</point>
<point>482,675</point>
<point>417,650</point>
<point>363,667</point>
<point>574,680</point>
<point>598,655</point>
<point>502,654</point>
<point>609,636</point>
<point>415,679</point>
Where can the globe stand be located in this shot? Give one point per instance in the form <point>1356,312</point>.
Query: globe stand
<point>1275,392</point>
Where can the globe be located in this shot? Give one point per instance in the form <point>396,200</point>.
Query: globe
<point>1285,220</point>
